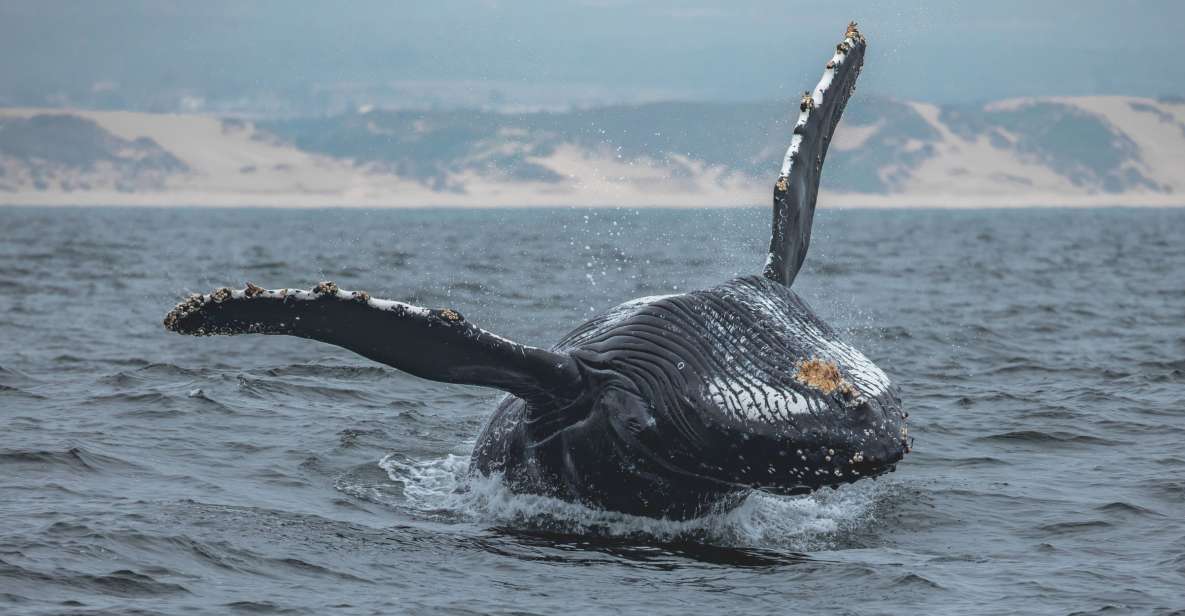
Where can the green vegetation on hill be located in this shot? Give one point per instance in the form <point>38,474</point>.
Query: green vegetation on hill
<point>66,148</point>
<point>747,138</point>
<point>1080,146</point>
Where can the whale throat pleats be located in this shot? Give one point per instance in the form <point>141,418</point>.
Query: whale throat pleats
<point>439,345</point>
<point>798,184</point>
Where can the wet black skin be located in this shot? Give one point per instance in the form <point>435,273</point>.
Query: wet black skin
<point>640,436</point>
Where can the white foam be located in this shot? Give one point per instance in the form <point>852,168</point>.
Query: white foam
<point>810,522</point>
<point>426,485</point>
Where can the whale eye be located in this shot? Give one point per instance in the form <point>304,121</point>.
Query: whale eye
<point>626,410</point>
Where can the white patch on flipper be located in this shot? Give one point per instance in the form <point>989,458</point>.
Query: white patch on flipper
<point>388,305</point>
<point>394,306</point>
<point>817,98</point>
<point>791,153</point>
<point>303,295</point>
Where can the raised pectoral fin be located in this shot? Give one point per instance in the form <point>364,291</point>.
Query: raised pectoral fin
<point>798,185</point>
<point>434,344</point>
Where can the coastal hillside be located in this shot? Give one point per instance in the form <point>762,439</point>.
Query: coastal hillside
<point>1020,152</point>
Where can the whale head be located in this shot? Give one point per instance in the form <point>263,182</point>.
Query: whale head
<point>828,436</point>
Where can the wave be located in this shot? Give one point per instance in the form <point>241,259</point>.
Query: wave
<point>38,287</point>
<point>978,461</point>
<point>8,390</point>
<point>1064,528</point>
<point>121,583</point>
<point>266,266</point>
<point>1051,437</point>
<point>154,398</point>
<point>207,403</point>
<point>167,369</point>
<point>351,372</point>
<point>150,372</point>
<point>1123,508</point>
<point>352,437</point>
<point>11,375</point>
<point>269,389</point>
<point>917,582</point>
<point>75,458</point>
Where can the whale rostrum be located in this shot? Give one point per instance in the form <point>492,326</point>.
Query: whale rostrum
<point>666,406</point>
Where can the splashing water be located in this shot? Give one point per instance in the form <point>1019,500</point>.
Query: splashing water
<point>441,488</point>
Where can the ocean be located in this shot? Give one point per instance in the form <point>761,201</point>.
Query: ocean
<point>1040,353</point>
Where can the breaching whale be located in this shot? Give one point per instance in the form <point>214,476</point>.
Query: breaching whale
<point>662,406</point>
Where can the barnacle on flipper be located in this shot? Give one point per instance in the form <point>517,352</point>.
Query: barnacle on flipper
<point>449,314</point>
<point>325,288</point>
<point>192,304</point>
<point>783,184</point>
<point>252,290</point>
<point>808,102</point>
<point>853,32</point>
<point>361,296</point>
<point>220,295</point>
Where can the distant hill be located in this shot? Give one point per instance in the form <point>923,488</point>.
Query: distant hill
<point>1050,151</point>
<point>67,152</point>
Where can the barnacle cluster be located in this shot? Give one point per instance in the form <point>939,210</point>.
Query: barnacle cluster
<point>191,305</point>
<point>808,102</point>
<point>823,375</point>
<point>853,32</point>
<point>325,288</point>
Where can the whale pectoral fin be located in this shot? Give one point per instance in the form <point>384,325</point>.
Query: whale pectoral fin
<point>798,185</point>
<point>439,345</point>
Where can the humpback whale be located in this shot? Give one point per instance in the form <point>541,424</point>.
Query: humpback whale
<point>662,406</point>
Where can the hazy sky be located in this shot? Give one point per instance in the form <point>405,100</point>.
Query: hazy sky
<point>615,49</point>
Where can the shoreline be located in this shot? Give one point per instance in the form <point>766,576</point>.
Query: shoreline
<point>422,201</point>
<point>176,160</point>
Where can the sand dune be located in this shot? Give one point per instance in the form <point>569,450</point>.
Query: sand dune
<point>1083,151</point>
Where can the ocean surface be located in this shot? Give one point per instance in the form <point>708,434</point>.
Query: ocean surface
<point>1041,354</point>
